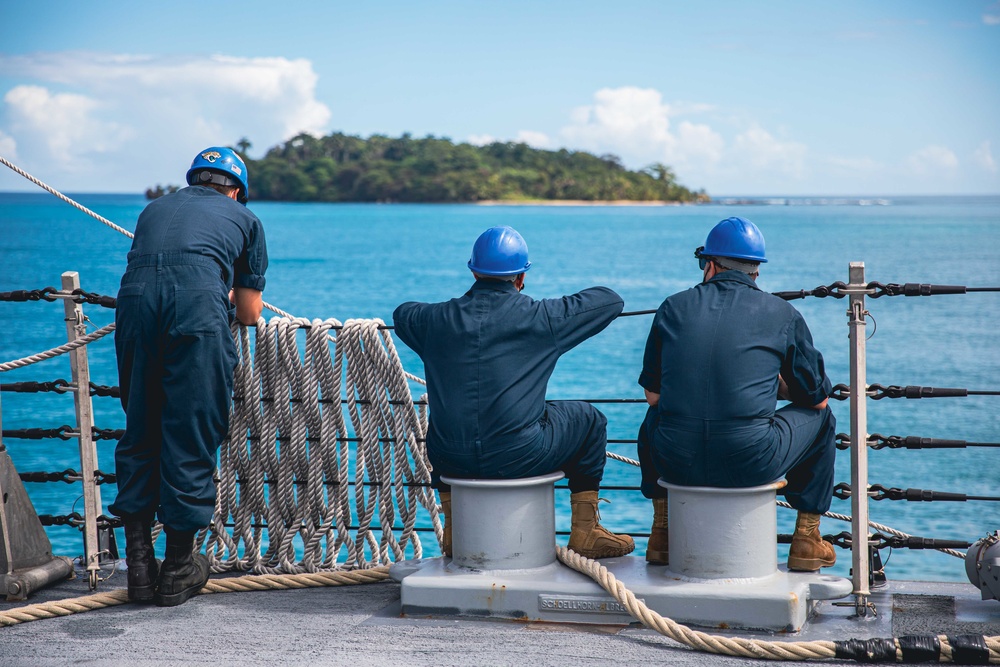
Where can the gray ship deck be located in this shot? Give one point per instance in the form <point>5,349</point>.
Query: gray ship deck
<point>361,625</point>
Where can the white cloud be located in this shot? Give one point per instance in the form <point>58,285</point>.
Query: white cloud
<point>757,148</point>
<point>931,160</point>
<point>151,113</point>
<point>481,139</point>
<point>983,156</point>
<point>64,124</point>
<point>8,147</point>
<point>637,125</point>
<point>991,19</point>
<point>534,139</point>
<point>631,122</point>
<point>698,143</point>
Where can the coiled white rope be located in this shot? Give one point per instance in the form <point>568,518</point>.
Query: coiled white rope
<point>288,463</point>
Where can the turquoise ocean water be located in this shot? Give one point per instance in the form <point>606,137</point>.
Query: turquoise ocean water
<point>360,261</point>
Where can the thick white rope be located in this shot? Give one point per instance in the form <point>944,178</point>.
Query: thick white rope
<point>736,646</point>
<point>63,197</point>
<point>287,461</point>
<point>56,351</point>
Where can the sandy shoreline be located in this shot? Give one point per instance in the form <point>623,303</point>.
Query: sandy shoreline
<point>575,202</point>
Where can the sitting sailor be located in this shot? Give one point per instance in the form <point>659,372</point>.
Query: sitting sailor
<point>718,358</point>
<point>488,356</point>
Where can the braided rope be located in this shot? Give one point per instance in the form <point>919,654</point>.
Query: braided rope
<point>56,351</point>
<point>738,646</point>
<point>288,426</point>
<point>248,583</point>
<point>63,197</point>
<point>735,646</point>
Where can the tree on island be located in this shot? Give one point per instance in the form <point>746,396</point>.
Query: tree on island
<point>345,168</point>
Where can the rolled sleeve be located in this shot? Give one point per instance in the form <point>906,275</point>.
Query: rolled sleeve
<point>803,368</point>
<point>252,265</point>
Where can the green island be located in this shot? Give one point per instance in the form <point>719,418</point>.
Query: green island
<point>345,168</point>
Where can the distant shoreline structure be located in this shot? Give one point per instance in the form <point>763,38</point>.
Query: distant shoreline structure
<point>721,201</point>
<point>802,201</point>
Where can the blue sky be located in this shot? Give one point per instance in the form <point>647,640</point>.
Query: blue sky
<point>769,98</point>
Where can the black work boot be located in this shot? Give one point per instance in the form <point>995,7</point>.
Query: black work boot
<point>184,573</point>
<point>142,564</point>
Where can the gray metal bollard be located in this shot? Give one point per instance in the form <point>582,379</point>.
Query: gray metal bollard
<point>718,533</point>
<point>503,524</point>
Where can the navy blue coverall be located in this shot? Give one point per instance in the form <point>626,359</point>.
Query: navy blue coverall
<point>488,356</point>
<point>713,355</point>
<point>176,355</point>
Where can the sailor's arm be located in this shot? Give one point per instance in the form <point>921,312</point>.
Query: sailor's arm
<point>249,304</point>
<point>651,398</point>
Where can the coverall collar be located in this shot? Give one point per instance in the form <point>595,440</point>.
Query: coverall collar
<point>735,276</point>
<point>494,285</point>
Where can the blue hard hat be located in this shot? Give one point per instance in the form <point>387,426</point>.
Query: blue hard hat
<point>499,251</point>
<point>737,238</point>
<point>222,166</point>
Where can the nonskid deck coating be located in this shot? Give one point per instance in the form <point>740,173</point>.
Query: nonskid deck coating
<point>360,625</point>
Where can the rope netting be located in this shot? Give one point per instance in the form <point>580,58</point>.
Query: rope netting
<point>288,463</point>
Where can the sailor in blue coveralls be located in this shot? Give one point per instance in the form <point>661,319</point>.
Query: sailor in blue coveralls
<point>718,358</point>
<point>488,356</point>
<point>197,260</point>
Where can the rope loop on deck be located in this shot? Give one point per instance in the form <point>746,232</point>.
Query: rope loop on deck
<point>247,583</point>
<point>896,649</point>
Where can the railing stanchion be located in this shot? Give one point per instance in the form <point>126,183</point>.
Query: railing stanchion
<point>861,566</point>
<point>76,328</point>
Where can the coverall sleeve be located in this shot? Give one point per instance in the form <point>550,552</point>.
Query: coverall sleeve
<point>251,265</point>
<point>409,325</point>
<point>802,368</point>
<point>652,362</point>
<point>577,317</point>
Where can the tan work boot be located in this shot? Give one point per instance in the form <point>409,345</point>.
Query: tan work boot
<point>588,537</point>
<point>809,551</point>
<point>446,511</point>
<point>657,548</point>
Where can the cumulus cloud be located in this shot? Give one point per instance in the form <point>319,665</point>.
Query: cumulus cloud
<point>631,122</point>
<point>758,148</point>
<point>636,124</point>
<point>991,19</point>
<point>481,139</point>
<point>530,137</point>
<point>8,147</point>
<point>63,124</point>
<point>932,159</point>
<point>534,139</point>
<point>983,156</point>
<point>152,113</point>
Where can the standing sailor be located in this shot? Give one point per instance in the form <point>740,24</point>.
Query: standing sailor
<point>488,356</point>
<point>197,260</point>
<point>718,358</point>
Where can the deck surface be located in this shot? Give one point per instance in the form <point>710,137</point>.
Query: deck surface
<point>360,625</point>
